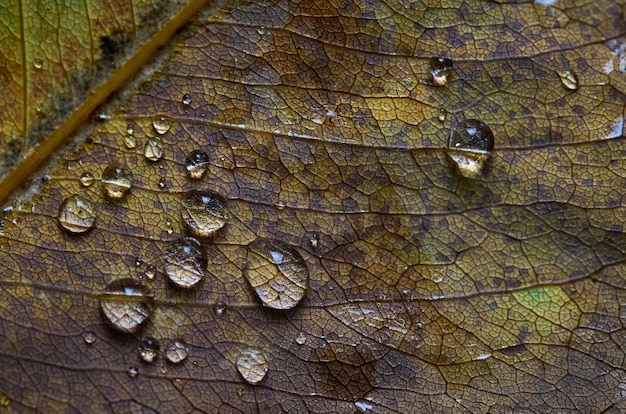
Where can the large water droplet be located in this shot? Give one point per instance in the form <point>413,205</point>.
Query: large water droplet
<point>86,179</point>
<point>252,365</point>
<point>184,263</point>
<point>440,68</point>
<point>569,79</point>
<point>77,213</point>
<point>126,304</point>
<point>116,180</point>
<point>153,150</point>
<point>196,164</point>
<point>470,145</point>
<point>161,125</point>
<point>176,351</point>
<point>277,273</point>
<point>204,212</point>
<point>148,350</point>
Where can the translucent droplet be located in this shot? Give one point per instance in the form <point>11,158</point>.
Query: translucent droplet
<point>277,273</point>
<point>470,145</point>
<point>86,179</point>
<point>252,365</point>
<point>150,272</point>
<point>162,182</point>
<point>161,125</point>
<point>116,180</point>
<point>314,240</point>
<point>441,114</point>
<point>130,129</point>
<point>148,350</point>
<point>89,337</point>
<point>301,338</point>
<point>186,99</point>
<point>204,212</point>
<point>132,372</point>
<point>196,164</point>
<point>77,213</point>
<point>126,304</point>
<point>130,142</point>
<point>440,68</point>
<point>38,63</point>
<point>176,351</point>
<point>220,307</point>
<point>184,263</point>
<point>138,261</point>
<point>153,150</point>
<point>569,79</point>
<point>280,205</point>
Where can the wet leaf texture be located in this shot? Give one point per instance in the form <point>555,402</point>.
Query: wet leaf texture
<point>322,129</point>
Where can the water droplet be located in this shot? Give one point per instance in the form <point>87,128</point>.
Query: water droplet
<point>569,79</point>
<point>132,372</point>
<point>301,338</point>
<point>130,142</point>
<point>280,205</point>
<point>470,145</point>
<point>38,63</point>
<point>314,240</point>
<point>89,337</point>
<point>130,129</point>
<point>161,125</point>
<point>126,304</point>
<point>184,263</point>
<point>148,350</point>
<point>176,351</point>
<point>204,212</point>
<point>196,164</point>
<point>86,179</point>
<point>441,114</point>
<point>252,365</point>
<point>116,180</point>
<point>220,307</point>
<point>138,261</point>
<point>162,182</point>
<point>186,99</point>
<point>153,150</point>
<point>150,272</point>
<point>277,273</point>
<point>440,68</point>
<point>77,213</point>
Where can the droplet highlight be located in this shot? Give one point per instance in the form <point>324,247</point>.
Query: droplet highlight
<point>77,213</point>
<point>569,79</point>
<point>126,305</point>
<point>277,273</point>
<point>117,179</point>
<point>196,164</point>
<point>440,69</point>
<point>204,212</point>
<point>176,351</point>
<point>184,262</point>
<point>469,146</point>
<point>87,179</point>
<point>161,125</point>
<point>252,365</point>
<point>153,150</point>
<point>148,350</point>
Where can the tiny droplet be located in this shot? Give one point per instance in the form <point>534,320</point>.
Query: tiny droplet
<point>89,337</point>
<point>441,114</point>
<point>301,338</point>
<point>196,164</point>
<point>162,182</point>
<point>37,63</point>
<point>470,144</point>
<point>116,180</point>
<point>184,263</point>
<point>176,351</point>
<point>130,129</point>
<point>440,68</point>
<point>204,212</point>
<point>132,372</point>
<point>569,79</point>
<point>130,142</point>
<point>186,99</point>
<point>161,125</point>
<point>77,213</point>
<point>252,365</point>
<point>220,307</point>
<point>153,150</point>
<point>86,179</point>
<point>150,272</point>
<point>148,350</point>
<point>126,304</point>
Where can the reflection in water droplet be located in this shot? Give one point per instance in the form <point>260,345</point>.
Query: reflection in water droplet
<point>470,144</point>
<point>126,304</point>
<point>440,68</point>
<point>184,263</point>
<point>116,180</point>
<point>176,351</point>
<point>301,338</point>
<point>280,205</point>
<point>252,365</point>
<point>77,213</point>
<point>148,350</point>
<point>153,150</point>
<point>204,212</point>
<point>86,179</point>
<point>161,125</point>
<point>569,79</point>
<point>132,372</point>
<point>314,240</point>
<point>38,63</point>
<point>196,164</point>
<point>277,273</point>
<point>186,99</point>
<point>89,337</point>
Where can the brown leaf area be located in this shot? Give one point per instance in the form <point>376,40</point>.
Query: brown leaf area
<point>428,292</point>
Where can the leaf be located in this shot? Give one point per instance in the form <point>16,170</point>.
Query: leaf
<point>428,292</point>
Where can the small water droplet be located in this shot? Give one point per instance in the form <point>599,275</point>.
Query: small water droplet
<point>116,180</point>
<point>301,338</point>
<point>220,307</point>
<point>252,365</point>
<point>277,273</point>
<point>186,99</point>
<point>132,372</point>
<point>153,150</point>
<point>176,351</point>
<point>148,350</point>
<point>138,261</point>
<point>102,116</point>
<point>77,213</point>
<point>470,144</point>
<point>441,114</point>
<point>569,79</point>
<point>196,164</point>
<point>38,63</point>
<point>420,325</point>
<point>314,240</point>
<point>162,182</point>
<point>89,337</point>
<point>204,212</point>
<point>280,205</point>
<point>161,125</point>
<point>184,263</point>
<point>130,129</point>
<point>126,304</point>
<point>86,179</point>
<point>150,272</point>
<point>440,68</point>
<point>130,142</point>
